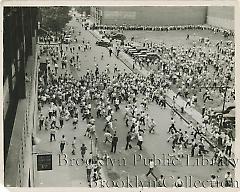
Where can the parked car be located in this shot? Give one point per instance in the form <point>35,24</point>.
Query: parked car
<point>153,56</point>
<point>230,116</point>
<point>104,43</point>
<point>228,113</point>
<point>115,35</point>
<point>118,36</point>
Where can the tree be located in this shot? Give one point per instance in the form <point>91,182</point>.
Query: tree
<point>83,9</point>
<point>55,18</point>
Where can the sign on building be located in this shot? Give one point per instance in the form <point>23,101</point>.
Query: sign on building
<point>44,162</point>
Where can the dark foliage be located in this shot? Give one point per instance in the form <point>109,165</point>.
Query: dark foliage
<point>55,18</point>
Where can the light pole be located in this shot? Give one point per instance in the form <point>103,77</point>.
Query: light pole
<point>224,98</point>
<point>91,145</point>
<point>224,102</point>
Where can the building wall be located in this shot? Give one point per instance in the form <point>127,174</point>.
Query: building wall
<point>154,15</point>
<point>19,31</point>
<point>221,17</point>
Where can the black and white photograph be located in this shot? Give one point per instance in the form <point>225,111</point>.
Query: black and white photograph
<point>119,96</point>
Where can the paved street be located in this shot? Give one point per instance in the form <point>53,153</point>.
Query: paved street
<point>153,143</point>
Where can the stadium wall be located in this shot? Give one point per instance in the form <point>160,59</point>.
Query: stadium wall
<point>221,17</point>
<point>153,15</point>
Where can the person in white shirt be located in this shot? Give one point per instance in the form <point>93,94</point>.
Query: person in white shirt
<point>52,134</point>
<point>56,68</point>
<point>108,137</point>
<point>228,145</point>
<point>220,162</point>
<point>188,103</point>
<point>44,99</point>
<point>109,109</point>
<point>111,125</point>
<point>161,181</point>
<point>107,68</point>
<point>92,131</point>
<point>87,132</point>
<point>117,104</point>
<point>152,126</point>
<point>53,121</point>
<point>54,107</point>
<point>179,182</point>
<point>108,120</point>
<point>213,181</point>
<point>190,126</point>
<point>89,167</point>
<point>150,171</point>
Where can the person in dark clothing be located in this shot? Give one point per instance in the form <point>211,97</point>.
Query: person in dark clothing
<point>118,51</point>
<point>193,146</point>
<point>41,121</point>
<point>140,141</point>
<point>172,129</point>
<point>228,150</point>
<point>62,144</point>
<point>203,110</point>
<point>129,138</point>
<point>114,143</point>
<point>228,179</point>
<point>89,171</point>
<point>83,151</point>
<point>110,52</point>
<point>207,97</point>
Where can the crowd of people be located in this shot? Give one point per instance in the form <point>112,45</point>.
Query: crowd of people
<point>196,74</point>
<point>49,37</point>
<point>225,32</point>
<point>100,94</point>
